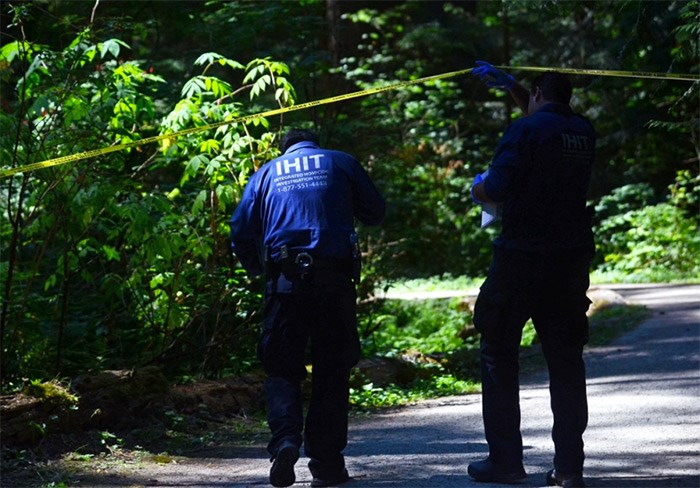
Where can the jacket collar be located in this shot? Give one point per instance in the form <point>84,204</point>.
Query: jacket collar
<point>301,145</point>
<point>558,108</point>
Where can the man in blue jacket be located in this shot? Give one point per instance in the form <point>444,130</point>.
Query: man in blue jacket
<point>295,224</point>
<point>539,176</point>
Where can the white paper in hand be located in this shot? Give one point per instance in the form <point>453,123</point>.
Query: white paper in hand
<point>489,214</point>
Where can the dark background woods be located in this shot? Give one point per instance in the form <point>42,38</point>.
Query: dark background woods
<point>122,261</point>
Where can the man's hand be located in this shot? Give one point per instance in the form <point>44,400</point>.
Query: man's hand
<point>477,180</point>
<point>495,78</point>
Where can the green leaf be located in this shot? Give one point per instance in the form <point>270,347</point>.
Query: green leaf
<point>210,146</point>
<point>16,49</point>
<point>193,165</point>
<point>50,282</point>
<point>111,253</point>
<point>79,39</point>
<point>173,194</point>
<point>231,63</point>
<point>218,87</point>
<point>194,87</point>
<point>111,46</point>
<point>208,58</point>
<point>199,201</point>
<point>260,86</point>
<point>163,246</point>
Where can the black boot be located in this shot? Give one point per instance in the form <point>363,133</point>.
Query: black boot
<point>489,472</point>
<point>282,470</point>
<point>565,480</point>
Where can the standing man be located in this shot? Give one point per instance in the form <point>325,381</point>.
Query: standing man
<point>295,224</point>
<point>539,176</point>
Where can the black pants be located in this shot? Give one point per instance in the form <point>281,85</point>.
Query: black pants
<point>550,289</point>
<point>321,311</point>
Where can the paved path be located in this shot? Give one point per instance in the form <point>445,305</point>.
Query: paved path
<point>644,428</point>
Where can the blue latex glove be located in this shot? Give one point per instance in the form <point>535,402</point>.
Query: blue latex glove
<point>478,179</point>
<point>495,78</point>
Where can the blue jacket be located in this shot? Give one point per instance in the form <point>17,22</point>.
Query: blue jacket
<point>540,174</point>
<point>307,200</point>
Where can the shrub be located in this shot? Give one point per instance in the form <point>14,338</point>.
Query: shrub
<point>636,237</point>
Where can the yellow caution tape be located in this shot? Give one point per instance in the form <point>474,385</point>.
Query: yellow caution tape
<point>118,147</point>
<point>370,91</point>
<point>606,72</point>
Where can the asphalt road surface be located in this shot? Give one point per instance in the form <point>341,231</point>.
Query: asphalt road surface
<point>644,421</point>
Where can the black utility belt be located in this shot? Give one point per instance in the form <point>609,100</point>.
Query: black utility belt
<point>304,263</point>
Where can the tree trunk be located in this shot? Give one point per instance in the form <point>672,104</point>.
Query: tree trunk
<point>333,18</point>
<point>506,58</point>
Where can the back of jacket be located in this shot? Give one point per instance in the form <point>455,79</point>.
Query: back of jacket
<point>305,200</point>
<point>541,173</point>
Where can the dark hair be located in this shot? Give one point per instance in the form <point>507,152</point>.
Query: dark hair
<point>555,87</point>
<point>297,135</point>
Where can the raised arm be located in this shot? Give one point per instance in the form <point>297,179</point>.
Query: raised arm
<point>495,78</point>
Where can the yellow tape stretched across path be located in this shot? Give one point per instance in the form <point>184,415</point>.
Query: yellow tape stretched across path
<point>370,91</point>
<point>118,147</point>
<point>608,72</point>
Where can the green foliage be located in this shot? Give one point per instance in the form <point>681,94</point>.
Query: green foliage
<point>623,199</point>
<point>685,193</point>
<point>370,397</point>
<point>638,238</point>
<point>429,327</point>
<point>421,155</point>
<point>426,326</point>
<point>121,260</point>
<point>455,370</point>
<point>688,32</point>
<point>430,331</point>
<point>436,336</point>
<point>60,239</point>
<point>111,442</point>
<point>52,392</point>
<point>443,282</point>
<point>653,238</point>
